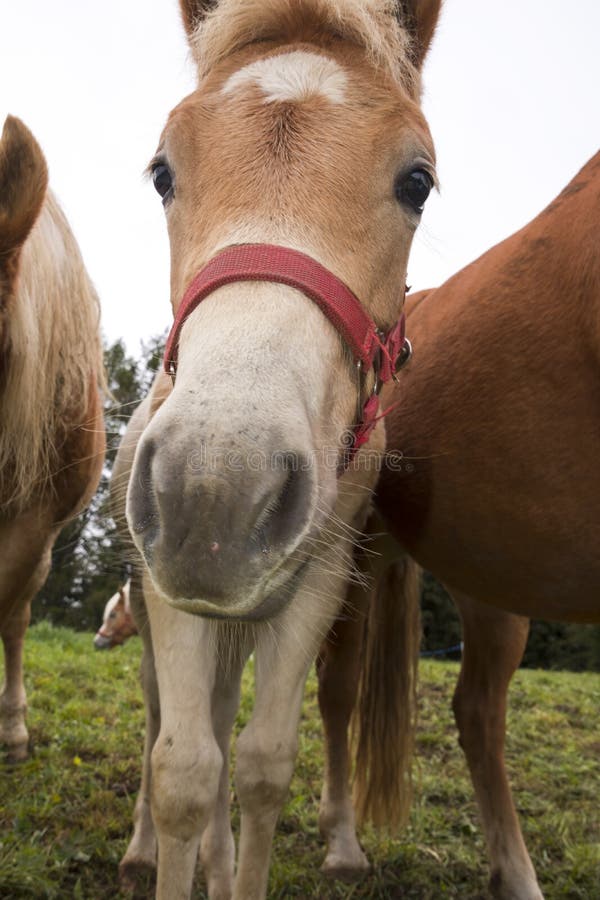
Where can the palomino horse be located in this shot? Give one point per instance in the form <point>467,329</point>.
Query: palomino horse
<point>298,167</point>
<point>117,620</point>
<point>344,857</point>
<point>493,484</point>
<point>52,437</point>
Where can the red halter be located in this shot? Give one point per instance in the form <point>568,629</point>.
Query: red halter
<point>385,353</point>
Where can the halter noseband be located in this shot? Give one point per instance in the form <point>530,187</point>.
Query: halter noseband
<point>372,348</point>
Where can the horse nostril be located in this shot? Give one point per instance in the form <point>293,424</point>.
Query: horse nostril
<point>285,513</point>
<point>142,512</point>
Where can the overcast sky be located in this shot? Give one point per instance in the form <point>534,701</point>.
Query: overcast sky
<point>512,95</point>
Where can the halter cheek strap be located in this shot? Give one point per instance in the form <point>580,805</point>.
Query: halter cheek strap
<point>370,347</point>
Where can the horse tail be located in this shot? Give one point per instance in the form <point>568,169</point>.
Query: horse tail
<point>384,717</point>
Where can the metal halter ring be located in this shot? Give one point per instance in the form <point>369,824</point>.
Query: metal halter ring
<point>404,355</point>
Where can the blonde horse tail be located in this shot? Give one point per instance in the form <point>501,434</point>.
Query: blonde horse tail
<point>384,717</point>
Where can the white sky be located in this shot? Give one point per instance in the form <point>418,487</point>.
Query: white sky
<point>511,94</point>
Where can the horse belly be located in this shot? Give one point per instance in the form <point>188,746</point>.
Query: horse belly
<point>536,567</point>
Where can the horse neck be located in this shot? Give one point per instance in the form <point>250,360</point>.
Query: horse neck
<point>54,357</point>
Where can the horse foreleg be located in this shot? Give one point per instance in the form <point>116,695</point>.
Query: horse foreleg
<point>186,759</point>
<point>13,700</point>
<point>267,747</point>
<point>494,642</point>
<point>217,849</point>
<point>140,855</point>
<point>338,669</point>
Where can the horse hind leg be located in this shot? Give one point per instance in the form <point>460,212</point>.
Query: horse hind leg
<point>13,701</point>
<point>338,670</point>
<point>140,857</point>
<point>14,736</point>
<point>367,671</point>
<point>494,643</point>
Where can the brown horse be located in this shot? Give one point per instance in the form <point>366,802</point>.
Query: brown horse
<point>52,435</point>
<point>304,142</point>
<point>493,484</point>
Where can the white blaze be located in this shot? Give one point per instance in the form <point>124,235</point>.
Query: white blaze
<point>292,76</point>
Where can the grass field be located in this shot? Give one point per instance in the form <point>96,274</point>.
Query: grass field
<point>65,815</point>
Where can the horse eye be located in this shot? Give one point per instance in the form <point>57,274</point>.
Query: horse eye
<point>414,189</point>
<point>163,181</point>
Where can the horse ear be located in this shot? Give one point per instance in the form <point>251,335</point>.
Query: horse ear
<point>193,11</point>
<point>420,18</point>
<point>23,184</point>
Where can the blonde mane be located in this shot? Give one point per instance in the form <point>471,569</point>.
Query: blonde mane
<point>371,24</point>
<point>55,358</point>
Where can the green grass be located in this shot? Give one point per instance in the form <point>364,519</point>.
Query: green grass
<point>65,815</point>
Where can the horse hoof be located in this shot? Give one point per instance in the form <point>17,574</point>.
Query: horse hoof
<point>511,888</point>
<point>136,873</point>
<point>16,753</point>
<point>347,870</point>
